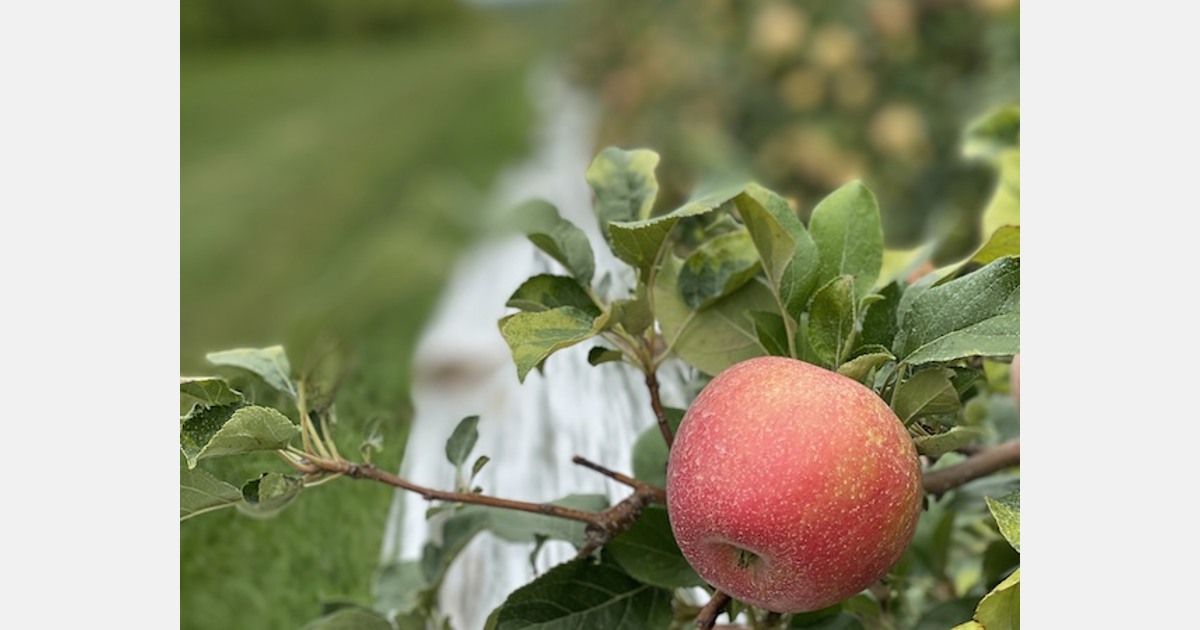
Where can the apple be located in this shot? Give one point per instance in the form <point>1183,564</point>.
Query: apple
<point>1015,375</point>
<point>791,487</point>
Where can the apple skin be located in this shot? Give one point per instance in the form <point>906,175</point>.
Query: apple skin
<point>791,487</point>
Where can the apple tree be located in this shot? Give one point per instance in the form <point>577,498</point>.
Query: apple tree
<point>731,275</point>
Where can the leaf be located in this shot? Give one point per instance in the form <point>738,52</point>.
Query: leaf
<point>955,307</point>
<point>847,229</point>
<point>648,552</point>
<point>947,614</point>
<point>480,462</point>
<point>534,336</point>
<point>1005,205</point>
<point>836,621</point>
<point>716,337</point>
<point>632,314</point>
<point>232,430</point>
<point>350,618</point>
<point>372,437</point>
<point>861,366</point>
<point>771,331</point>
<point>269,363</point>
<point>994,133</point>
<point>583,594</point>
<point>926,392</point>
<point>998,336</point>
<point>270,493</point>
<point>1007,512</point>
<point>399,586</point>
<point>600,354</point>
<point>640,243</point>
<point>1001,608</point>
<point>879,324</point>
<point>831,317</point>
<point>717,268</point>
<point>650,451</point>
<point>544,292</point>
<point>523,527</point>
<point>209,391</point>
<point>457,530</point>
<point>624,184</point>
<point>789,255</point>
<point>324,371</point>
<point>200,492</point>
<point>559,238</point>
<point>462,440</point>
<point>1005,241</point>
<point>942,443</point>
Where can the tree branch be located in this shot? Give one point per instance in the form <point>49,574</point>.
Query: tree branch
<point>982,464</point>
<point>708,615</point>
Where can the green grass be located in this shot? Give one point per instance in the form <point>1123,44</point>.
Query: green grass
<point>326,191</point>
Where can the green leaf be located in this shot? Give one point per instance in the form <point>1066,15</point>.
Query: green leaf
<point>994,133</point>
<point>269,363</point>
<point>524,527</point>
<point>200,492</point>
<point>457,530</point>
<point>350,618</point>
<point>600,354</point>
<point>399,586</point>
<point>232,430</point>
<point>717,268</point>
<point>462,440</point>
<point>836,621</point>
<point>559,238</point>
<point>831,318</point>
<point>648,552</point>
<point>999,560</point>
<point>1005,205</point>
<point>544,292</point>
<point>209,391</point>
<point>998,336</point>
<point>861,366</point>
<point>324,371</point>
<point>713,338</point>
<point>534,336</point>
<point>879,324</point>
<point>640,243</point>
<point>270,493</point>
<point>947,614</point>
<point>771,331</point>
<point>789,255</point>
<point>847,229</point>
<point>632,314</point>
<point>1005,241</point>
<point>1001,608</point>
<point>624,184</point>
<point>942,443</point>
<point>372,437</point>
<point>582,594</point>
<point>926,392</point>
<point>650,450</point>
<point>1007,512</point>
<point>480,462</point>
<point>943,317</point>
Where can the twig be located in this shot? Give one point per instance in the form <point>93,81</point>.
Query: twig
<point>983,463</point>
<point>620,517</point>
<point>369,471</point>
<point>708,615</point>
<point>656,403</point>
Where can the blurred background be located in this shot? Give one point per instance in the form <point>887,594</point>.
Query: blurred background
<point>337,158</point>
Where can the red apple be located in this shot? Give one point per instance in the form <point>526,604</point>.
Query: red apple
<point>1015,375</point>
<point>791,487</point>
